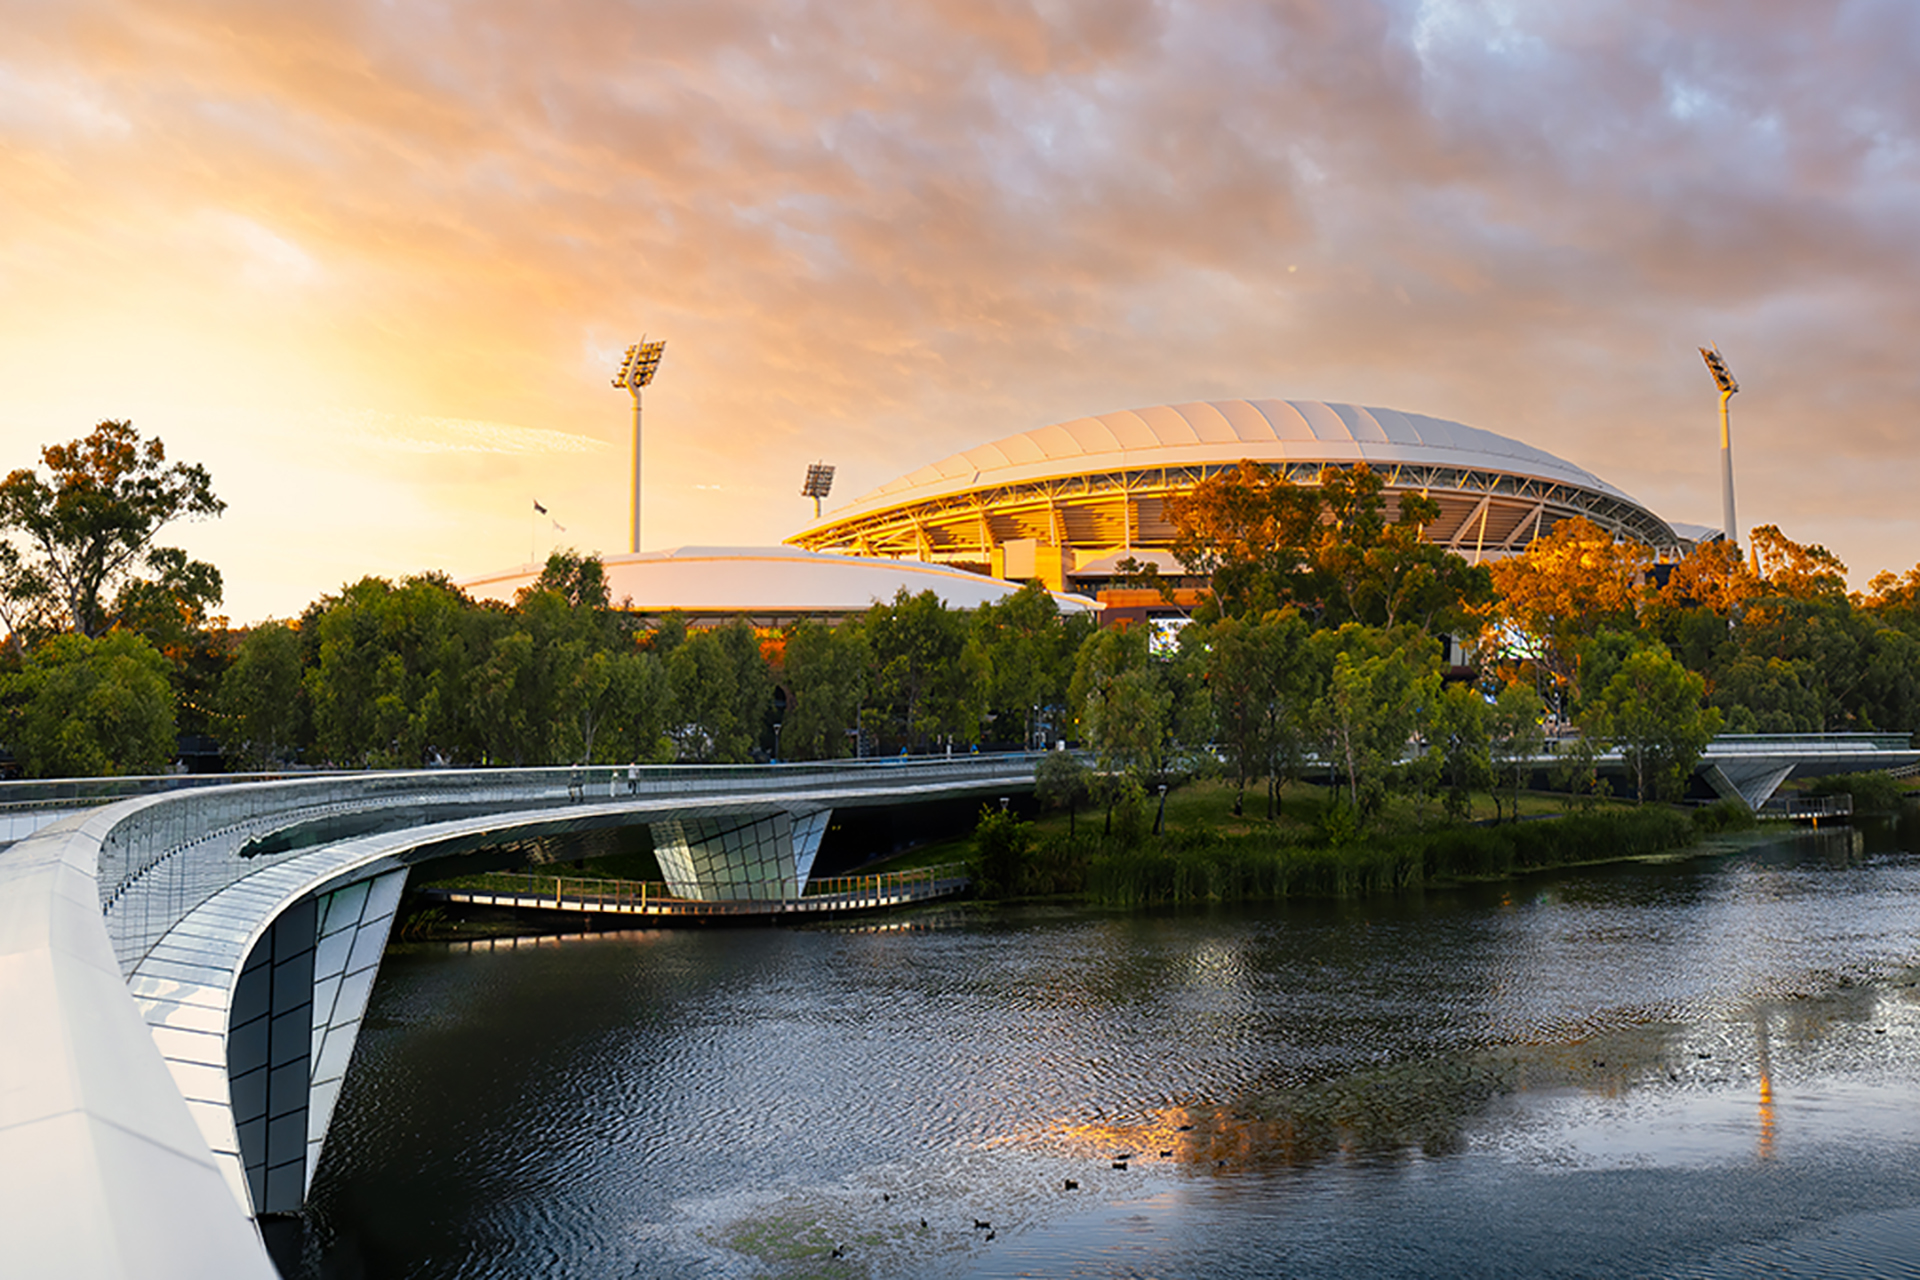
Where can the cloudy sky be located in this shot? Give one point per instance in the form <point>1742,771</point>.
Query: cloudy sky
<point>374,263</point>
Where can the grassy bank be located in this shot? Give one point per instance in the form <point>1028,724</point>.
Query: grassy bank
<point>1207,854</point>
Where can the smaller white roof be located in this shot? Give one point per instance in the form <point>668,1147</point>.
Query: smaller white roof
<point>771,581</point>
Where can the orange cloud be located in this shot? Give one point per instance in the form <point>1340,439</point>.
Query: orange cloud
<point>877,234</point>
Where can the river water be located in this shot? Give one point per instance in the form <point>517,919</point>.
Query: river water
<point>1705,1068</point>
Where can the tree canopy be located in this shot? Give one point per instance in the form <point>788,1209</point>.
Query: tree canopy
<point>78,547</point>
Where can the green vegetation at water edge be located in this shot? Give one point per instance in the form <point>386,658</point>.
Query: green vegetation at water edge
<point>1312,854</point>
<point>1871,792</point>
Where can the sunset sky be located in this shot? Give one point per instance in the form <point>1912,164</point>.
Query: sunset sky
<point>374,264</point>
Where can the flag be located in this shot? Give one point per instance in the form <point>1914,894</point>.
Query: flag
<point>537,507</point>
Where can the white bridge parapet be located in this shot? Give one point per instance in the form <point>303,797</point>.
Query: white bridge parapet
<point>183,971</point>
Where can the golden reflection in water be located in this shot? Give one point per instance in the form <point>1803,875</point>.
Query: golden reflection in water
<point>1194,1136</point>
<point>1768,1130</point>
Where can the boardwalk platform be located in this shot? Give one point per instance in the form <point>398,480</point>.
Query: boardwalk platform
<point>827,897</point>
<point>1809,809</point>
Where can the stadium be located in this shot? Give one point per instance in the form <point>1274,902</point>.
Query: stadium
<point>1064,504</point>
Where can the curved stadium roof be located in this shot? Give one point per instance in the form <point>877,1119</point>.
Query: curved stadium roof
<point>1496,493</point>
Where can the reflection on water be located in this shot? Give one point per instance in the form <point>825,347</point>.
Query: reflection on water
<point>1705,1067</point>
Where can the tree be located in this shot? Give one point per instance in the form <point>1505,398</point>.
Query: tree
<point>625,717</point>
<point>389,687</point>
<point>260,697</point>
<point>1248,530</point>
<point>928,676</point>
<point>1514,739</point>
<point>86,532</point>
<point>1799,571</point>
<point>824,671</point>
<point>1061,779</point>
<point>88,707</point>
<point>1375,694</point>
<point>1123,709</point>
<point>1028,648</point>
<point>1652,710</point>
<point>1458,732</point>
<point>720,692</point>
<point>1575,581</point>
<point>1256,685</point>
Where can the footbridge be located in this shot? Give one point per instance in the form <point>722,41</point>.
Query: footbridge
<point>1750,767</point>
<point>183,969</point>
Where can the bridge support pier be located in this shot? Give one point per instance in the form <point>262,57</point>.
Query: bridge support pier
<point>740,858</point>
<point>1752,782</point>
<point>291,1028</point>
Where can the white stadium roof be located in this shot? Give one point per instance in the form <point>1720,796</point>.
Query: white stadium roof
<point>770,583</point>
<point>1270,431</point>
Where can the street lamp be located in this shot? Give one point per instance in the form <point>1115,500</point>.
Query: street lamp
<point>1723,378</point>
<point>636,371</point>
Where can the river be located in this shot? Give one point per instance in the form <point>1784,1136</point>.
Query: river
<point>1705,1067</point>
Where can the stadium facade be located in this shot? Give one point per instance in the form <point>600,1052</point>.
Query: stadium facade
<point>1063,504</point>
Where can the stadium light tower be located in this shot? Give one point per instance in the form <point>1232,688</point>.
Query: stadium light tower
<point>636,371</point>
<point>819,482</point>
<point>1723,378</point>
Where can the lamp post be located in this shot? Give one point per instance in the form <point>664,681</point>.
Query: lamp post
<point>636,371</point>
<point>1723,378</point>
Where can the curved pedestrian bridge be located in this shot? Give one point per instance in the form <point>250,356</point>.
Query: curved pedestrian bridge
<point>184,963</point>
<point>183,969</point>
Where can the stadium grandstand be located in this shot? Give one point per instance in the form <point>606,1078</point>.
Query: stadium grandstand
<point>1065,504</point>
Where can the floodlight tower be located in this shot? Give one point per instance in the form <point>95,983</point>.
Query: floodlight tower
<point>636,371</point>
<point>819,482</point>
<point>1723,378</point>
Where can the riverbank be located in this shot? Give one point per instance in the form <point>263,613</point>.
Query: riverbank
<point>1207,854</point>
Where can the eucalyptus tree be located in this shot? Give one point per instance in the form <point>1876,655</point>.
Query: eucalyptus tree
<point>1029,648</point>
<point>1654,710</point>
<point>721,694</point>
<point>927,672</point>
<point>389,686</point>
<point>1515,736</point>
<point>824,672</point>
<point>74,540</point>
<point>1378,686</point>
<point>85,706</point>
<point>1125,711</point>
<point>1258,688</point>
<point>262,706</point>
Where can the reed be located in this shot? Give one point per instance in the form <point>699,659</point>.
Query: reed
<point>1199,867</point>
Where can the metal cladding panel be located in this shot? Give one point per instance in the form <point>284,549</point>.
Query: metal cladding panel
<point>1252,423</point>
<point>1022,449</point>
<point>1091,435</point>
<point>1209,424</point>
<point>1131,430</point>
<point>1062,442</point>
<point>1323,422</point>
<point>1170,427</point>
<point>1396,426</point>
<point>1360,424</point>
<point>985,457</point>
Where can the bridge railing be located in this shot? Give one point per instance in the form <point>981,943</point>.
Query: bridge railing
<point>171,851</point>
<point>1824,743</point>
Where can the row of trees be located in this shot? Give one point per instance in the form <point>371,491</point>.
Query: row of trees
<point>1319,641</point>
